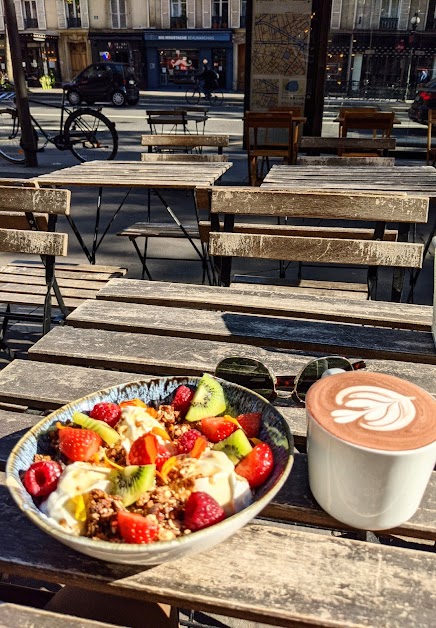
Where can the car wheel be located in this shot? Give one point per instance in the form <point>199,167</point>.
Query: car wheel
<point>74,98</point>
<point>118,98</point>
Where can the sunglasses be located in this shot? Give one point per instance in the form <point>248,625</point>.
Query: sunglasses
<point>256,376</point>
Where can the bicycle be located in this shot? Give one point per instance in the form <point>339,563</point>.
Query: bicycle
<point>87,133</point>
<point>193,95</point>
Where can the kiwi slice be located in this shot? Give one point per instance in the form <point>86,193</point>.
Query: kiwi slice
<point>236,446</point>
<point>105,431</point>
<point>208,399</point>
<point>132,482</point>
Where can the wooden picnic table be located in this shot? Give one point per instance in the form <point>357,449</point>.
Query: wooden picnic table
<point>271,571</point>
<point>147,176</point>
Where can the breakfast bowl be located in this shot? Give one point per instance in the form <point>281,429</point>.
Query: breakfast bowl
<point>273,431</point>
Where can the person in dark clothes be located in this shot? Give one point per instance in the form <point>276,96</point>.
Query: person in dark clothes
<point>208,77</point>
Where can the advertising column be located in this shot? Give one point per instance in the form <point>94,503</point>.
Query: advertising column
<point>279,53</point>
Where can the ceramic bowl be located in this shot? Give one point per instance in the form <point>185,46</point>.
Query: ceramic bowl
<point>274,431</point>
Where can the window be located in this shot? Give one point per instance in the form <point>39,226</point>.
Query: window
<point>178,14</point>
<point>118,12</point>
<point>220,14</point>
<point>243,13</point>
<point>73,13</point>
<point>389,8</point>
<point>29,14</point>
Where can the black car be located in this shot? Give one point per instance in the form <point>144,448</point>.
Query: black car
<point>107,82</point>
<point>425,99</point>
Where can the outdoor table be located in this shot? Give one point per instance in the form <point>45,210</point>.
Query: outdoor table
<point>133,175</point>
<point>271,571</point>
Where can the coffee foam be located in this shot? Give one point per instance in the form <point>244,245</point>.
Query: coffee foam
<point>373,410</point>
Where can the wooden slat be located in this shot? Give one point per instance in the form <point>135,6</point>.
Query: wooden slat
<point>319,250</point>
<point>190,140</point>
<point>33,242</point>
<point>80,273</point>
<point>34,300</point>
<point>10,220</point>
<point>25,288</point>
<point>274,303</point>
<point>338,290</point>
<point>279,591</point>
<point>181,157</point>
<point>138,352</point>
<point>336,206</point>
<point>19,199</point>
<point>159,230</point>
<point>346,161</point>
<point>15,278</point>
<point>28,617</point>
<point>347,142</point>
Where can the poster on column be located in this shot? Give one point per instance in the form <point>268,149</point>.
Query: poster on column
<point>279,56</point>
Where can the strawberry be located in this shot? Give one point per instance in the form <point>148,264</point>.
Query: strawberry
<point>250,423</point>
<point>201,511</point>
<point>257,466</point>
<point>182,399</point>
<point>217,428</point>
<point>41,478</point>
<point>78,444</point>
<point>110,413</point>
<point>135,528</point>
<point>187,441</point>
<point>148,450</point>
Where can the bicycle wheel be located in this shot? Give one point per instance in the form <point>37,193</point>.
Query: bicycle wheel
<point>10,137</point>
<point>90,135</point>
<point>216,97</point>
<point>193,95</point>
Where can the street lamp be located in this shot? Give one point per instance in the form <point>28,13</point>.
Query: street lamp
<point>413,24</point>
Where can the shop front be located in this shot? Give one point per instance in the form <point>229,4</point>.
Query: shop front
<point>174,59</point>
<point>122,48</point>
<point>40,56</point>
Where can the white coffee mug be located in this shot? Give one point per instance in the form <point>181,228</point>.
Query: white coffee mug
<point>371,447</point>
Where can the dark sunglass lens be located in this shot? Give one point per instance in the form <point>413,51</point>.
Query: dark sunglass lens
<point>249,373</point>
<point>314,371</point>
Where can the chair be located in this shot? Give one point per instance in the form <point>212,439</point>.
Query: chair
<point>320,245</point>
<point>344,110</point>
<point>431,150</point>
<point>260,142</point>
<point>297,112</point>
<point>166,117</point>
<point>377,122</point>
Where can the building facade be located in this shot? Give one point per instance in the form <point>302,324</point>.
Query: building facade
<point>165,40</point>
<point>381,48</point>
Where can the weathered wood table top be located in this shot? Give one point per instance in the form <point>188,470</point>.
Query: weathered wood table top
<point>270,571</point>
<point>410,179</point>
<point>137,174</point>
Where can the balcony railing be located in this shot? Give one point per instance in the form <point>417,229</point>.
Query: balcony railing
<point>179,22</point>
<point>219,21</point>
<point>388,23</point>
<point>30,22</point>
<point>74,22</point>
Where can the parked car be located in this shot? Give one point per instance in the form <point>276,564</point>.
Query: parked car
<point>425,99</point>
<point>107,82</point>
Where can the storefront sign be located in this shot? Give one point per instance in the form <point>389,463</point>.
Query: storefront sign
<point>187,36</point>
<point>38,37</point>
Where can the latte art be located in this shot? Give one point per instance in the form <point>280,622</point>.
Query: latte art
<point>374,408</point>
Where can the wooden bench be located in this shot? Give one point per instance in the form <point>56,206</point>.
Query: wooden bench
<point>310,246</point>
<point>28,216</point>
<point>345,161</point>
<point>185,143</point>
<point>316,145</point>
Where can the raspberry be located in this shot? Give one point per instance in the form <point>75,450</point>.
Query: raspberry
<point>110,413</point>
<point>187,441</point>
<point>257,466</point>
<point>201,511</point>
<point>41,478</point>
<point>182,399</point>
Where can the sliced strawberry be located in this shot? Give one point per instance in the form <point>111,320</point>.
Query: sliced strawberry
<point>110,413</point>
<point>257,466</point>
<point>217,428</point>
<point>250,423</point>
<point>78,444</point>
<point>135,528</point>
<point>41,478</point>
<point>182,399</point>
<point>148,450</point>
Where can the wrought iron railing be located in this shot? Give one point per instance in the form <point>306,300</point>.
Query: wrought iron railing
<point>219,21</point>
<point>74,22</point>
<point>30,22</point>
<point>388,23</point>
<point>179,22</point>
